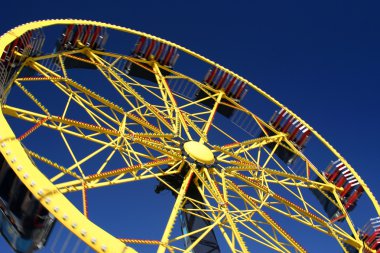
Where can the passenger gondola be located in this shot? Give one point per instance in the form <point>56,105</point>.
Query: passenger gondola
<point>28,45</point>
<point>297,133</point>
<point>149,49</point>
<point>75,37</point>
<point>221,80</point>
<point>24,222</point>
<point>338,174</point>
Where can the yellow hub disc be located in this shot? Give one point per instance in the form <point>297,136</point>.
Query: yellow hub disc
<point>199,152</point>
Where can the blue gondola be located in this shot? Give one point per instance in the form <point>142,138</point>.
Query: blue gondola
<point>24,222</point>
<point>15,239</point>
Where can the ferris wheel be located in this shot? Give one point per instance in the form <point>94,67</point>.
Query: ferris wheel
<point>135,144</point>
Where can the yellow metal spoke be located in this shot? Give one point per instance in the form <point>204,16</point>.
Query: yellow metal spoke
<point>210,185</point>
<point>175,212</point>
<point>268,219</point>
<point>80,100</point>
<point>30,95</point>
<point>120,84</point>
<point>57,124</point>
<point>77,163</point>
<point>212,114</point>
<point>130,169</point>
<point>53,164</point>
<point>301,214</point>
<point>261,236</point>
<point>119,176</point>
<point>205,232</point>
<point>169,101</point>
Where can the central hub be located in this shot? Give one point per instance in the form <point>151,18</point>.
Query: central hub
<point>199,152</point>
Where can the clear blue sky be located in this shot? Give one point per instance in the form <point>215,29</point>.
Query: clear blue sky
<point>319,58</point>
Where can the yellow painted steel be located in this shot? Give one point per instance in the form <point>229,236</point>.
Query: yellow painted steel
<point>53,200</point>
<point>173,119</point>
<point>175,212</point>
<point>212,115</point>
<point>199,152</point>
<point>170,103</point>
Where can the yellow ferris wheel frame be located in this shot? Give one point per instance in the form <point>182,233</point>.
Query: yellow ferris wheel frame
<point>58,205</point>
